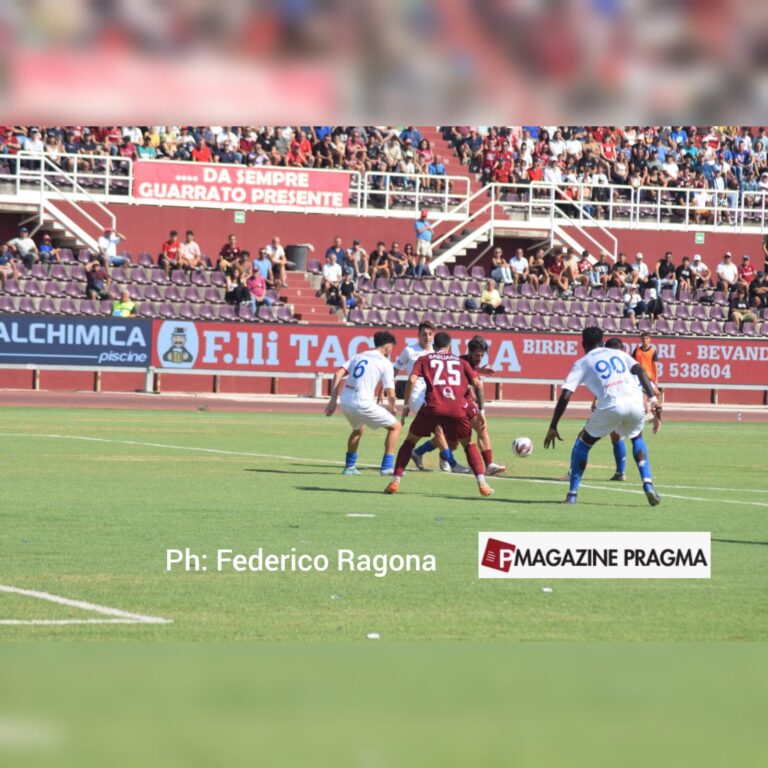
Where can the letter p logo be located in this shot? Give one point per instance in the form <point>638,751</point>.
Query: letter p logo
<point>498,555</point>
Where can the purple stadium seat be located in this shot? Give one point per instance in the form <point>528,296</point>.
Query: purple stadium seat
<point>438,288</point>
<point>580,292</point>
<point>663,326</point>
<point>166,311</point>
<point>448,320</point>
<point>749,329</point>
<point>503,322</point>
<point>187,312</point>
<point>698,328</point>
<point>105,307</point>
<point>538,323</point>
<point>764,329</point>
<point>611,325</point>
<point>410,317</point>
<point>32,288</point>
<point>364,283</point>
<point>613,310</point>
<point>228,313</point>
<point>421,288</point>
<point>207,312</point>
<point>460,272</point>
<point>714,328</point>
<point>510,306</point>
<point>39,272</point>
<point>686,297</point>
<point>152,293</point>
<point>455,288</point>
<point>192,294</point>
<point>683,312</point>
<point>199,278</point>
<point>88,307</point>
<point>679,326</point>
<point>67,307</point>
<point>542,307</point>
<point>213,296</point>
<point>527,290</point>
<point>47,306</point>
<point>59,273</point>
<point>644,325</point>
<point>119,275</point>
<point>627,326</point>
<point>575,323</point>
<point>246,313</point>
<point>146,260</point>
<point>415,302</point>
<point>442,272</point>
<point>667,296</point>
<point>434,304</point>
<point>579,308</point>
<point>615,294</point>
<point>379,301</point>
<point>544,291</point>
<point>84,256</point>
<point>66,256</point>
<point>599,294</point>
<point>179,277</point>
<point>465,320</point>
<point>731,328</point>
<point>173,293</point>
<point>138,275</point>
<point>474,288</point>
<point>477,272</point>
<point>557,323</point>
<point>393,317</point>
<point>520,323</point>
<point>594,309</point>
<point>7,304</point>
<point>721,298</point>
<point>524,306</point>
<point>382,284</point>
<point>484,321</point>
<point>78,273</point>
<point>356,317</point>
<point>397,301</point>
<point>53,289</point>
<point>699,312</point>
<point>559,307</point>
<point>28,305</point>
<point>401,285</point>
<point>284,315</point>
<point>159,278</point>
<point>451,304</point>
<point>374,317</point>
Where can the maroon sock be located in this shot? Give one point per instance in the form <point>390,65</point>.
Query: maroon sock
<point>487,456</point>
<point>474,459</point>
<point>403,457</point>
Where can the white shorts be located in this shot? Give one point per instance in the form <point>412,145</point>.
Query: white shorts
<point>626,418</point>
<point>423,248</point>
<point>417,400</point>
<point>367,415</point>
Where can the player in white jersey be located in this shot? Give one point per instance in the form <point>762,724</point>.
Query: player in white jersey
<point>405,361</point>
<point>617,381</point>
<point>364,373</point>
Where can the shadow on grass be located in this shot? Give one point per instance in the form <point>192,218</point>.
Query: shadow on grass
<point>739,541</point>
<point>301,469</point>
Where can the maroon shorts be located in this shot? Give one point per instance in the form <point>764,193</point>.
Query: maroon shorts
<point>454,427</point>
<point>472,410</point>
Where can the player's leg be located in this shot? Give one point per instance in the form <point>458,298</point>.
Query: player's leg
<point>350,460</point>
<point>401,462</point>
<point>620,456</point>
<point>426,447</point>
<point>640,454</point>
<point>579,456</point>
<point>448,461</point>
<point>486,449</point>
<point>461,429</point>
<point>390,441</point>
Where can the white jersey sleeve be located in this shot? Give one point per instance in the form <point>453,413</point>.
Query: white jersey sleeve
<point>607,374</point>
<point>365,372</point>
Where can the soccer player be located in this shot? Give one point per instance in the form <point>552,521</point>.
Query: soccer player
<point>406,360</point>
<point>448,380</point>
<point>476,351</point>
<point>612,377</point>
<point>364,372</point>
<point>646,356</point>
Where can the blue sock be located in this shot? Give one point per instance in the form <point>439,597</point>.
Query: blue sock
<point>351,460</point>
<point>388,461</point>
<point>579,456</point>
<point>640,452</point>
<point>447,454</point>
<point>425,448</point>
<point>620,454</point>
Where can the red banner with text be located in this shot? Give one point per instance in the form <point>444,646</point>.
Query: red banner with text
<point>240,185</point>
<point>235,347</point>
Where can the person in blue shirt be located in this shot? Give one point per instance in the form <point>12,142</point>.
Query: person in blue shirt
<point>341,256</point>
<point>48,254</point>
<point>423,236</point>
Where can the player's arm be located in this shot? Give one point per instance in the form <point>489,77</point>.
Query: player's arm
<point>552,433</point>
<point>407,396</point>
<point>389,393</point>
<point>337,378</point>
<point>650,392</point>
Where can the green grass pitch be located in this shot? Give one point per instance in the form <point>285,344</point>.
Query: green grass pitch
<point>91,519</point>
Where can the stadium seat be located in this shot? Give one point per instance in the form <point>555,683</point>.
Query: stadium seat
<point>698,328</point>
<point>575,323</point>
<point>213,296</point>
<point>503,322</point>
<point>207,312</point>
<point>166,311</point>
<point>420,288</point>
<point>438,288</point>
<point>714,328</point>
<point>527,290</point>
<point>460,272</point>
<point>374,317</point>
<point>379,301</point>
<point>67,307</point>
<point>644,325</point>
<point>416,303</point>
<point>397,301</point>
<point>731,328</point>
<point>465,320</point>
<point>401,286</point>
<point>559,307</point>
<point>119,275</point>
<point>663,326</point>
<point>246,313</point>
<point>105,307</point>
<point>53,289</point>
<point>538,323</point>
<point>66,256</point>
<point>88,307</point>
<point>179,277</point>
<point>448,320</point>
<point>159,277</point>
<point>627,326</point>
<point>382,284</point>
<point>152,293</point>
<point>442,272</point>
<point>356,316</point>
<point>8,304</point>
<point>749,329</point>
<point>73,290</point>
<point>556,323</point>
<point>611,325</point>
<point>544,291</point>
<point>484,321</point>
<point>410,317</point>
<point>451,304</point>
<point>192,294</point>
<point>434,304</point>
<point>39,272</point>
<point>266,314</point>
<point>686,297</point>
<point>187,312</point>
<point>199,278</point>
<point>579,292</point>
<point>578,308</point>
<point>599,294</point>
<point>146,260</point>
<point>679,326</point>
<point>699,312</point>
<point>32,288</point>
<point>520,323</point>
<point>392,317</point>
<point>284,315</point>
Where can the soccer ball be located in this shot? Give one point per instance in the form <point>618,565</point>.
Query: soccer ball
<point>522,446</point>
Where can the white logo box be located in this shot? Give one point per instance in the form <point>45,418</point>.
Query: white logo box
<point>601,554</point>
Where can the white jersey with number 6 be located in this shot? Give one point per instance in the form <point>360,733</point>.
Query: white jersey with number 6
<point>365,372</point>
<point>606,373</point>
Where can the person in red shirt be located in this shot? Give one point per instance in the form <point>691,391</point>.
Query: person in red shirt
<point>169,256</point>
<point>229,253</point>
<point>747,271</point>
<point>202,152</point>
<point>448,380</point>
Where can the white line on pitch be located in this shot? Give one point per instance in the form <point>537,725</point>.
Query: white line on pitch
<point>62,622</point>
<point>359,514</point>
<point>124,617</point>
<point>314,461</point>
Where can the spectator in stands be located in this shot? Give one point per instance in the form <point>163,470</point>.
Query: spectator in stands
<point>323,151</point>
<point>236,291</point>
<point>747,272</point>
<point>202,152</point>
<point>424,236</point>
<point>653,303</point>
<point>634,306</point>
<point>518,269</point>
<point>621,274</point>
<point>641,275</point>
<point>471,150</point>
<point>490,301</point>
<point>146,151</point>
<point>257,289</point>
<point>580,274</point>
<point>600,273</point>
<point>108,243</point>
<point>48,254</point>
<point>124,306</point>
<point>228,253</point>
<point>727,273</point>
<point>190,255</point>
<point>263,265</point>
<point>498,262</point>
<point>397,260</point>
<point>665,274</point>
<point>416,264</point>
<point>557,273</point>
<point>357,256</point>
<point>758,290</point>
<point>276,253</point>
<point>537,270</point>
<point>393,154</point>
<point>97,278</point>
<point>685,276</point>
<point>436,169</point>
<point>379,263</point>
<point>740,311</point>
<point>8,268</point>
<point>701,272</point>
<point>349,297</point>
<point>331,275</point>
<point>170,253</point>
<point>24,248</point>
<point>337,250</point>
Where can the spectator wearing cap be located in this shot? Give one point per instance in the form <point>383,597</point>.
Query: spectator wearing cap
<point>641,275</point>
<point>727,273</point>
<point>108,243</point>
<point>357,256</point>
<point>97,278</point>
<point>24,248</point>
<point>702,273</point>
<point>664,275</point>
<point>685,276</point>
<point>424,236</point>
<point>758,290</point>
<point>48,254</point>
<point>747,271</point>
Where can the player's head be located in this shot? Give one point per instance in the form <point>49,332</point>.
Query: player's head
<point>442,341</point>
<point>476,349</point>
<point>591,338</point>
<point>614,343</point>
<point>426,333</point>
<point>645,339</point>
<point>384,341</point>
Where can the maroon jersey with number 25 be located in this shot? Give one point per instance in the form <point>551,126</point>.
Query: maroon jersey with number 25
<point>448,381</point>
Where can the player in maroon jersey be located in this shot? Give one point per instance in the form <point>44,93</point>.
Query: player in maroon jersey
<point>448,380</point>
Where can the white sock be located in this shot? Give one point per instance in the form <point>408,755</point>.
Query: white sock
<point>480,479</point>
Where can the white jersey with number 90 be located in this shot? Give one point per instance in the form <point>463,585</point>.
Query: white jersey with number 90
<point>606,373</point>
